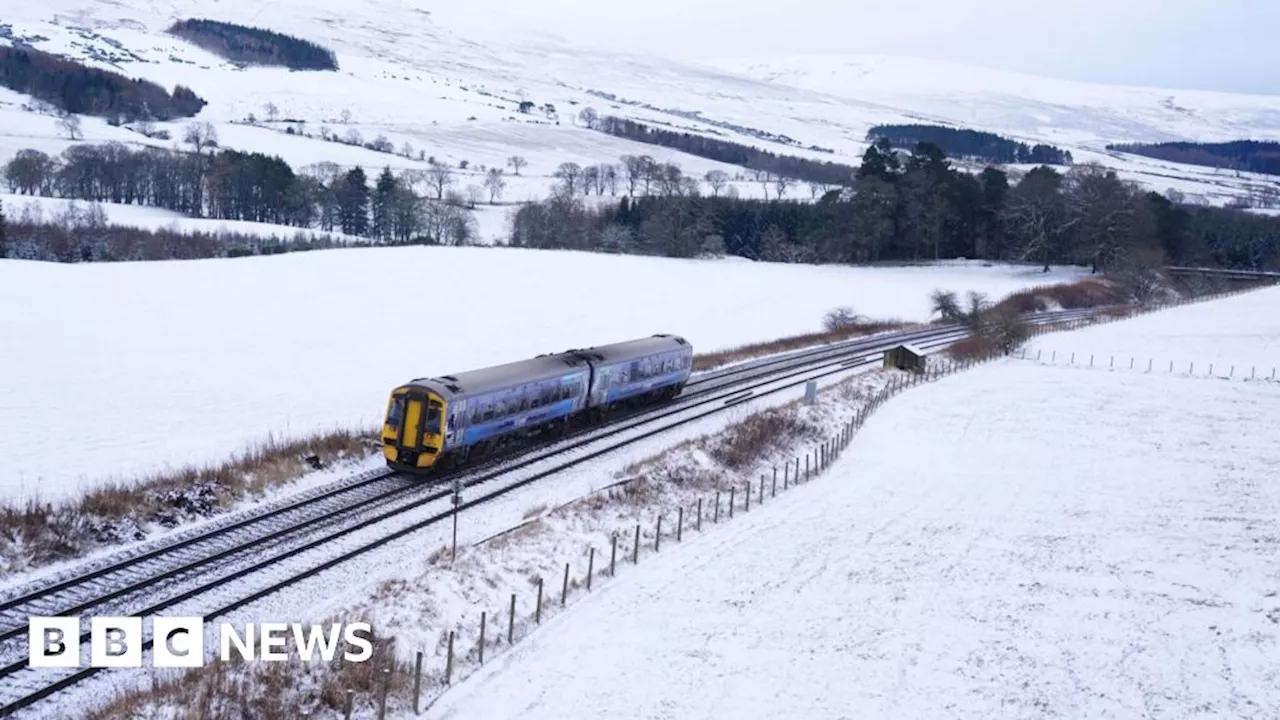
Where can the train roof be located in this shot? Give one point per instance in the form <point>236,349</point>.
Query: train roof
<point>496,377</point>
<point>546,367</point>
<point>618,352</point>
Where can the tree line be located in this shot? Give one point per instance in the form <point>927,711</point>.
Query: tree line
<point>234,185</point>
<point>756,160</point>
<point>917,207</point>
<point>76,88</point>
<point>971,144</point>
<point>255,46</point>
<point>82,234</point>
<point>1246,155</point>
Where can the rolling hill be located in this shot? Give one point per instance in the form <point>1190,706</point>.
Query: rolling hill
<point>445,84</point>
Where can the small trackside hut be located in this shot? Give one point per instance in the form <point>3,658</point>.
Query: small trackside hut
<point>905,357</point>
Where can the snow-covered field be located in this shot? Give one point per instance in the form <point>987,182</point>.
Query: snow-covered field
<point>1072,544</point>
<point>448,82</point>
<point>184,362</point>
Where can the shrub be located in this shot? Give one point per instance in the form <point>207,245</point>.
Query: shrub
<point>841,318</point>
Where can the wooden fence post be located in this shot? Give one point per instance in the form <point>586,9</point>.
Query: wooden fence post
<point>761,498</point>
<point>716,519</point>
<point>731,501</point>
<point>482,622</point>
<point>347,703</point>
<point>699,514</point>
<point>635,553</point>
<point>537,608</point>
<point>511,621</point>
<point>746,499</point>
<point>417,683</point>
<point>382,696</point>
<point>448,665</point>
<point>591,566</point>
<point>657,535</point>
<point>564,589</point>
<point>613,557</point>
<point>774,491</point>
<point>679,523</point>
<point>786,475</point>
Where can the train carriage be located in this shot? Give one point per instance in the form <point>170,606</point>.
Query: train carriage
<point>433,421</point>
<point>649,368</point>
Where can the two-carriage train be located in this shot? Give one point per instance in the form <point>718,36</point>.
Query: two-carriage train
<point>432,423</point>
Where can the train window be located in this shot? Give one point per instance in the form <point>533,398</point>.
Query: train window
<point>395,414</point>
<point>433,418</point>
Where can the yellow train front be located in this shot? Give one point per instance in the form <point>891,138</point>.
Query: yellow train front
<point>413,432</point>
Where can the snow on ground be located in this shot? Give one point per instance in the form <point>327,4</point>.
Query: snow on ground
<point>1241,331</point>
<point>449,82</point>
<point>1072,545</point>
<point>170,363</point>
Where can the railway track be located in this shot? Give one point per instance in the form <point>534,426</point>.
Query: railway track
<point>217,570</point>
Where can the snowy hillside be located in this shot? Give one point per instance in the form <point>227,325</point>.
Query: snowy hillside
<point>1073,544</point>
<point>185,362</point>
<point>448,83</point>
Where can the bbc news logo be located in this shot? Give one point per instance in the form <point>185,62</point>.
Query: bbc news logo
<point>179,641</point>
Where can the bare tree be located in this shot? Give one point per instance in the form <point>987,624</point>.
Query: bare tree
<point>589,116</point>
<point>345,117</point>
<point>516,162</point>
<point>590,179</point>
<point>406,150</point>
<point>634,168</point>
<point>650,172</point>
<point>667,176</point>
<point>568,174</point>
<point>816,189</point>
<point>610,178</point>
<point>494,181</point>
<point>70,124</point>
<point>440,177</point>
<point>354,137</point>
<point>474,194</point>
<point>272,111</point>
<point>716,180</point>
<point>201,135</point>
<point>781,183</point>
<point>764,177</point>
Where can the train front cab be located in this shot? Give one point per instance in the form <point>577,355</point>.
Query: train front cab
<point>413,432</point>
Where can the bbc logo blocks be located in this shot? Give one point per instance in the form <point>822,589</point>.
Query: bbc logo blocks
<point>116,642</point>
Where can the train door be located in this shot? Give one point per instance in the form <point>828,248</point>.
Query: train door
<point>411,427</point>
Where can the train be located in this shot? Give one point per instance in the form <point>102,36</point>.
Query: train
<point>432,424</point>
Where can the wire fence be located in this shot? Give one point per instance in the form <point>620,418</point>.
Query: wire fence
<point>463,652</point>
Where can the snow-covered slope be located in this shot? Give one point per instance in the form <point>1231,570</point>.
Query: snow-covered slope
<point>185,362</point>
<point>1072,544</point>
<point>1026,105</point>
<point>448,80</point>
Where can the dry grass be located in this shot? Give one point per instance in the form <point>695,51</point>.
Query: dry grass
<point>747,442</point>
<point>236,690</point>
<point>36,534</point>
<point>716,359</point>
<point>1086,293</point>
<point>972,348</point>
